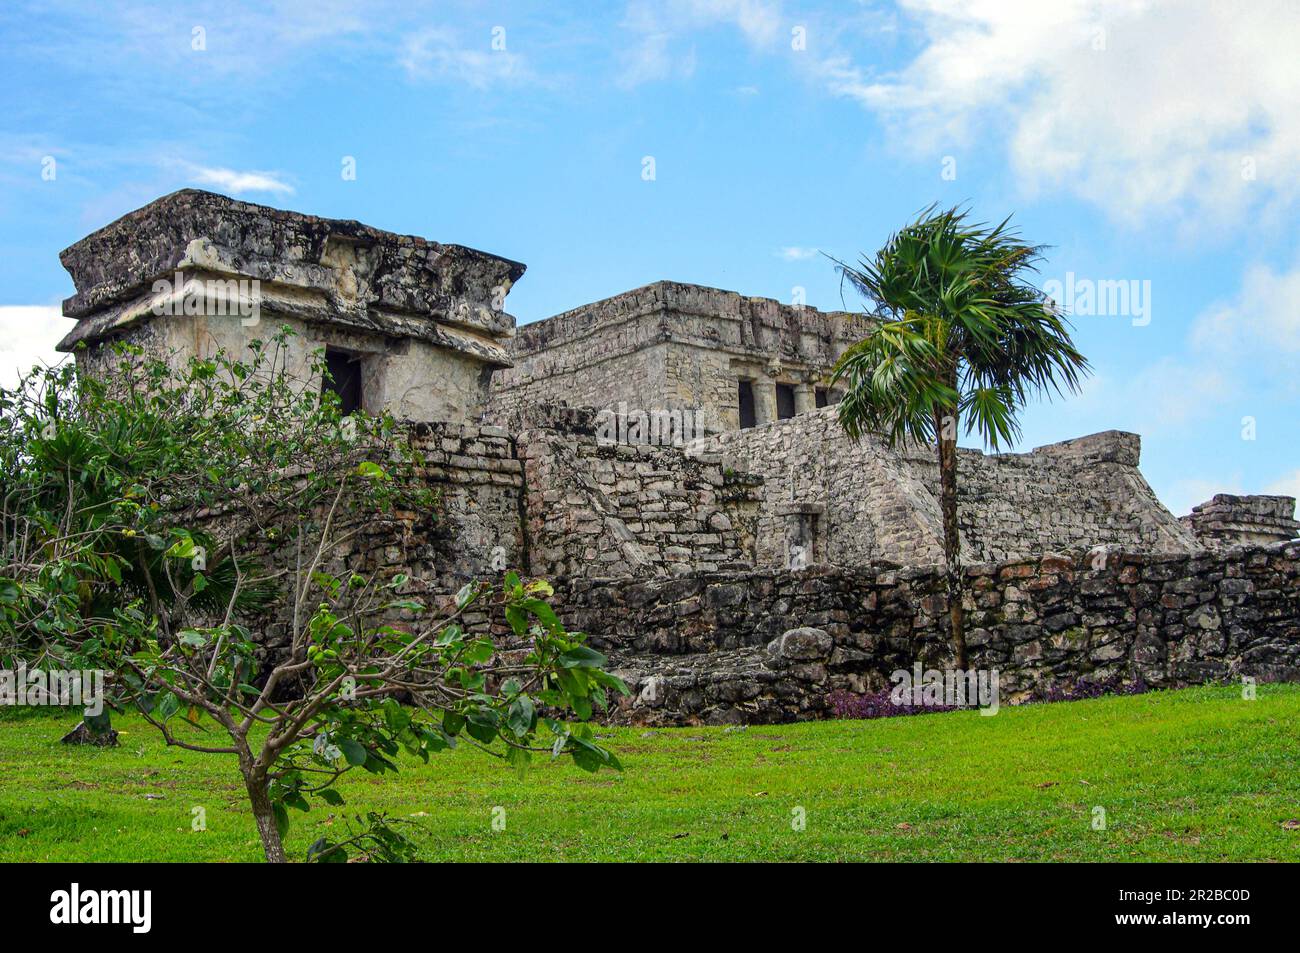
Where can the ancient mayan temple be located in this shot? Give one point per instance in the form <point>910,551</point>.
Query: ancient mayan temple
<point>671,458</point>
<point>408,325</point>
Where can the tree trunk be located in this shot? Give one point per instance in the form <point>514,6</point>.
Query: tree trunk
<point>260,799</point>
<point>947,444</point>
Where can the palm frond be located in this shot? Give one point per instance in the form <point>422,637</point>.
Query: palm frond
<point>961,329</point>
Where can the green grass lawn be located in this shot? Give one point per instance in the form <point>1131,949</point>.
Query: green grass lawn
<point>1199,774</point>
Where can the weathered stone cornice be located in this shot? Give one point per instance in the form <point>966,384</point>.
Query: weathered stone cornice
<point>317,269</point>
<point>671,299</point>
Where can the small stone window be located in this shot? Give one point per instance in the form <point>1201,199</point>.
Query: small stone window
<point>746,399</point>
<point>822,397</point>
<point>784,401</point>
<point>343,377</point>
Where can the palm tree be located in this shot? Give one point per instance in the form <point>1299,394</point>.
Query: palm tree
<point>963,338</point>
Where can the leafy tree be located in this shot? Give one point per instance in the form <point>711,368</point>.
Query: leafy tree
<point>963,338</point>
<point>152,520</point>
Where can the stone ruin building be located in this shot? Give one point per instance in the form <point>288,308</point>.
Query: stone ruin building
<point>738,362</point>
<point>408,325</point>
<point>671,459</point>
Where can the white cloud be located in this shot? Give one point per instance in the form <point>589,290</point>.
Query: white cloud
<point>28,334</point>
<point>659,28</point>
<point>654,59</point>
<point>436,54</point>
<point>796,253</point>
<point>1141,106</point>
<point>1288,485</point>
<point>1172,394</point>
<point>1244,346</point>
<point>1262,321</point>
<point>237,183</point>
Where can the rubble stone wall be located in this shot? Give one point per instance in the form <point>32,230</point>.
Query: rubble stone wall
<point>874,506</point>
<point>711,648</point>
<point>609,509</point>
<point>473,531</point>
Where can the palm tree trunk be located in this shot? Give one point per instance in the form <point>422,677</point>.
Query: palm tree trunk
<point>946,431</point>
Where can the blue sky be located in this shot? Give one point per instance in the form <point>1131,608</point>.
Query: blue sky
<point>1149,143</point>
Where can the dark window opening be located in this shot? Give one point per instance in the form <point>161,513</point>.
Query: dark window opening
<point>822,397</point>
<point>343,378</point>
<point>747,417</point>
<point>784,401</point>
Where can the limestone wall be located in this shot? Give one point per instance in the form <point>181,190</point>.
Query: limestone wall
<point>616,510</point>
<point>874,506</point>
<point>1078,493</point>
<point>698,648</point>
<point>882,504</point>
<point>410,378</point>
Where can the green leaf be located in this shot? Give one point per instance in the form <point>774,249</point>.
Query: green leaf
<point>520,716</point>
<point>542,610</point>
<point>518,619</point>
<point>281,818</point>
<point>467,594</point>
<point>353,751</point>
<point>182,549</point>
<point>582,657</point>
<point>482,726</point>
<point>519,759</point>
<point>330,796</point>
<point>167,706</point>
<point>478,651</point>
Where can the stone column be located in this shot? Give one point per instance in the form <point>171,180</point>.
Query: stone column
<point>805,399</point>
<point>764,399</point>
